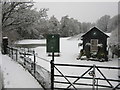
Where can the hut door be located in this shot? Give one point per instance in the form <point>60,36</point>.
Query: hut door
<point>94,47</point>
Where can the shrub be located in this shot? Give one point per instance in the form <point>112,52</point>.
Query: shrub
<point>116,49</point>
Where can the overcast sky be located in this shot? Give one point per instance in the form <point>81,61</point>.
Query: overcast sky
<point>82,11</point>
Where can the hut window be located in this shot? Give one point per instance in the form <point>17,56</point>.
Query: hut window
<point>94,43</point>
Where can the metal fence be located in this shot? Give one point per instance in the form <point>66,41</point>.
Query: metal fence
<point>61,80</point>
<point>27,58</point>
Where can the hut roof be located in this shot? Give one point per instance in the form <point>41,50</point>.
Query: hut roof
<point>94,28</point>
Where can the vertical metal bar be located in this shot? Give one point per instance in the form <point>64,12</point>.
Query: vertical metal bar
<point>16,54</point>
<point>93,77</point>
<point>24,56</point>
<point>52,72</point>
<point>9,51</point>
<point>34,62</point>
<point>97,84</point>
<point>12,52</point>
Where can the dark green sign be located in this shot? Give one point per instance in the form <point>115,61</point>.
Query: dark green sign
<point>53,41</point>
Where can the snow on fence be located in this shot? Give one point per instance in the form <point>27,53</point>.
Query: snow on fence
<point>27,58</point>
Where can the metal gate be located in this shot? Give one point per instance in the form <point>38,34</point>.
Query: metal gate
<point>91,71</point>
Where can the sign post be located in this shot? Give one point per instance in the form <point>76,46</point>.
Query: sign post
<point>52,47</point>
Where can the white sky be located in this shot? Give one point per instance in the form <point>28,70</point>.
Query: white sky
<point>82,11</point>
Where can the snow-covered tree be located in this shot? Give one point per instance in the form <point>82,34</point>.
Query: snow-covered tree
<point>21,18</point>
<point>113,23</point>
<point>102,23</point>
<point>53,25</point>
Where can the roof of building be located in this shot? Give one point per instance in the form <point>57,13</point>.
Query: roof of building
<point>93,29</point>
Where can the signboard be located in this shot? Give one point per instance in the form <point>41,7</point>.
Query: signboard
<point>53,41</point>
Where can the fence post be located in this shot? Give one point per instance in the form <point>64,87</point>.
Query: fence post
<point>16,54</point>
<point>93,77</point>
<point>24,57</point>
<point>34,62</point>
<point>97,84</point>
<point>12,52</point>
<point>52,71</point>
<point>8,50</point>
<point>4,45</point>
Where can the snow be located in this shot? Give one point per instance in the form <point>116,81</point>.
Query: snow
<point>31,41</point>
<point>15,76</point>
<point>1,78</point>
<point>5,37</point>
<point>69,51</point>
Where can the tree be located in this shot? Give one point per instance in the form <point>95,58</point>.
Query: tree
<point>102,23</point>
<point>114,37</point>
<point>113,42</point>
<point>21,18</point>
<point>12,13</point>
<point>85,26</point>
<point>54,25</point>
<point>64,26</point>
<point>113,23</point>
<point>69,26</point>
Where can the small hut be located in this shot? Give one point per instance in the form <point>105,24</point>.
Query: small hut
<point>95,43</point>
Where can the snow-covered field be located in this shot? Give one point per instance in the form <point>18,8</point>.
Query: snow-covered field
<point>69,51</point>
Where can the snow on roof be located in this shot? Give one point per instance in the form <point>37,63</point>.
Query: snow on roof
<point>92,28</point>
<point>31,41</point>
<point>108,34</point>
<point>5,37</point>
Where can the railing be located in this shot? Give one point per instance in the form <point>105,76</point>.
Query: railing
<point>93,77</point>
<point>27,58</point>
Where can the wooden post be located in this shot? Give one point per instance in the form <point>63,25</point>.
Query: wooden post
<point>52,72</point>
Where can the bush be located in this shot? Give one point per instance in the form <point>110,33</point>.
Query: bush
<point>116,49</point>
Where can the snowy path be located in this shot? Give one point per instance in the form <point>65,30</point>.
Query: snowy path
<point>15,76</point>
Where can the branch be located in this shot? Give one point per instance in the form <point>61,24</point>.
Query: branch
<point>8,13</point>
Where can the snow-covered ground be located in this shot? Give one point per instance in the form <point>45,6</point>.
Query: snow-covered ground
<point>1,77</point>
<point>69,51</point>
<point>15,76</point>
